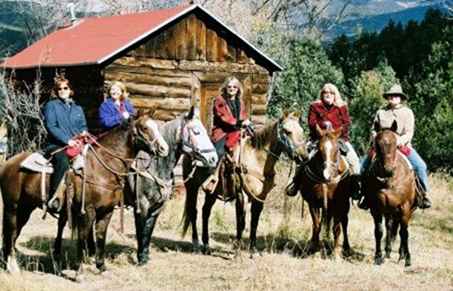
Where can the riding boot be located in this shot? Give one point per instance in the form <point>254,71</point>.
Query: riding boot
<point>55,196</point>
<point>424,202</point>
<point>210,184</point>
<point>363,204</point>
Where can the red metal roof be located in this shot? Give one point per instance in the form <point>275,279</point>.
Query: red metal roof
<point>92,40</point>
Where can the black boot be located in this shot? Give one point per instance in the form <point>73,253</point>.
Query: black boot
<point>356,187</point>
<point>292,189</point>
<point>424,203</point>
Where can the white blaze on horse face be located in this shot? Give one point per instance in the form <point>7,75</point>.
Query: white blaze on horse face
<point>162,146</point>
<point>328,149</point>
<point>196,135</point>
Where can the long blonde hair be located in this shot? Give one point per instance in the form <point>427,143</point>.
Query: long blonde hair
<point>223,88</point>
<point>337,101</point>
<point>124,93</point>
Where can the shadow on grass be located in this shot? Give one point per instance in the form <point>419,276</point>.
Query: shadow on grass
<point>279,244</point>
<point>44,262</point>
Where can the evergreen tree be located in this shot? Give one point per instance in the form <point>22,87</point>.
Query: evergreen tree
<point>306,71</point>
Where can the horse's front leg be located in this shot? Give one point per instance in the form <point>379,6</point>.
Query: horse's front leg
<point>316,219</point>
<point>378,233</point>
<point>191,211</point>
<point>336,235</point>
<point>102,224</point>
<point>144,226</point>
<point>257,208</point>
<point>404,237</point>
<point>57,252</point>
<point>84,226</point>
<point>390,225</point>
<point>240,220</point>
<point>206,213</point>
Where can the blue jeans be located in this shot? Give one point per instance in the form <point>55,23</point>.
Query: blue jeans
<point>420,168</point>
<point>417,163</point>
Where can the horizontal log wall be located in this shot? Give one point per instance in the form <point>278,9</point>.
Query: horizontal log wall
<point>171,87</point>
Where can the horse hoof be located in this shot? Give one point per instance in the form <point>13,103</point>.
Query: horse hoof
<point>206,250</point>
<point>12,266</point>
<point>407,263</point>
<point>387,255</point>
<point>378,260</point>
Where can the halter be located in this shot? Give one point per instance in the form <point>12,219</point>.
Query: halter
<point>191,148</point>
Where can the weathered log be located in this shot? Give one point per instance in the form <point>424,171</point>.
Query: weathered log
<point>157,91</point>
<point>191,37</point>
<point>211,45</point>
<point>201,40</point>
<point>259,119</point>
<point>181,40</point>
<point>146,70</point>
<point>220,67</point>
<point>261,78</point>
<point>222,49</point>
<point>149,79</point>
<point>170,104</point>
<point>260,88</point>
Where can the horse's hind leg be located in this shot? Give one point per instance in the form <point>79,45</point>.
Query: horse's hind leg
<point>84,226</point>
<point>347,251</point>
<point>336,234</point>
<point>14,218</point>
<point>257,208</point>
<point>191,211</point>
<point>206,213</point>
<point>101,234</point>
<point>144,230</point>
<point>378,233</point>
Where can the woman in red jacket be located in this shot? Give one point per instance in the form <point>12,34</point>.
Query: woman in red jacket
<point>229,117</point>
<point>331,111</point>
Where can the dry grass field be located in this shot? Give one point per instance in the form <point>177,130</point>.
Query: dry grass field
<point>282,236</point>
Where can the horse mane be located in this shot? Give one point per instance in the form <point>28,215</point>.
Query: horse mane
<point>263,135</point>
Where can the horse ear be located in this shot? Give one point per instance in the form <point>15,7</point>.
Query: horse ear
<point>194,112</point>
<point>295,114</point>
<point>394,126</point>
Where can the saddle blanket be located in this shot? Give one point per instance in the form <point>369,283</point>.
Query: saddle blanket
<point>36,162</point>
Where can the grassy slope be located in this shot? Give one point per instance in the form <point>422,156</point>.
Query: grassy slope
<point>281,237</point>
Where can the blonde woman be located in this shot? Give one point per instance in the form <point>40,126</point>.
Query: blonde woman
<point>116,108</point>
<point>330,111</point>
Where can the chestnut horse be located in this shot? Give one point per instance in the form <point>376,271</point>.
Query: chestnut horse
<point>390,188</point>
<point>258,156</point>
<point>111,154</point>
<point>324,183</point>
<point>184,135</point>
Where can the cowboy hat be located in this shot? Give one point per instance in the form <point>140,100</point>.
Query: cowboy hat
<point>395,90</point>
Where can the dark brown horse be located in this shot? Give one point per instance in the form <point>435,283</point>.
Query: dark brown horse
<point>258,156</point>
<point>184,135</point>
<point>391,192</point>
<point>324,183</point>
<point>109,157</point>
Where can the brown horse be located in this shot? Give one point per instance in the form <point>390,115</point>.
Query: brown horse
<point>391,193</point>
<point>110,156</point>
<point>258,156</point>
<point>324,183</point>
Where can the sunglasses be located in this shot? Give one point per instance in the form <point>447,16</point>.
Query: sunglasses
<point>63,88</point>
<point>233,87</point>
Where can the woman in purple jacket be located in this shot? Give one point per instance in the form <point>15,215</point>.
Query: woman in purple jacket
<point>117,108</point>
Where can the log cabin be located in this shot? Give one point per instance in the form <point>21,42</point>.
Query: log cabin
<point>169,59</point>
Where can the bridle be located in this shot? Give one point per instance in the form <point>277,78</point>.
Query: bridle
<point>189,143</point>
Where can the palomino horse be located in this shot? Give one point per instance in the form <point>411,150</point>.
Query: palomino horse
<point>184,135</point>
<point>111,154</point>
<point>391,192</point>
<point>258,157</point>
<point>324,184</point>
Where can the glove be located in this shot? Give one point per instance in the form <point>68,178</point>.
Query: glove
<point>125,115</point>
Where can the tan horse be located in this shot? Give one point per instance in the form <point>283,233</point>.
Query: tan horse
<point>258,157</point>
<point>21,190</point>
<point>325,185</point>
<point>391,193</point>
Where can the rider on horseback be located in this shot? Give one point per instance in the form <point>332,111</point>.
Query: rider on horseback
<point>395,110</point>
<point>229,117</point>
<point>64,121</point>
<point>330,112</point>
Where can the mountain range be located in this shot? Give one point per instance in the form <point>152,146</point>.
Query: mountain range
<point>17,29</point>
